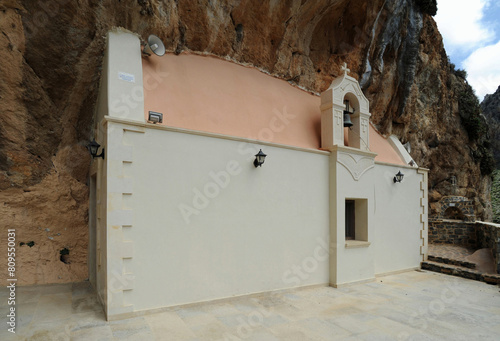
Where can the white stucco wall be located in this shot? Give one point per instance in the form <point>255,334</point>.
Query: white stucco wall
<point>184,216</point>
<point>261,226</point>
<point>354,264</point>
<point>396,214</point>
<point>121,90</point>
<point>200,222</point>
<point>396,220</point>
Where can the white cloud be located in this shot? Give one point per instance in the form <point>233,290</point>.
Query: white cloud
<point>483,69</point>
<point>459,22</point>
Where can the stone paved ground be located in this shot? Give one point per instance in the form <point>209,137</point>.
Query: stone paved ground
<point>416,305</point>
<point>450,251</point>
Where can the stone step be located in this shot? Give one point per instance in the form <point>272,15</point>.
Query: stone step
<point>460,271</point>
<point>445,260</point>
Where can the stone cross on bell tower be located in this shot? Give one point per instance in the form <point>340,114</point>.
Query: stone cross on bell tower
<point>345,69</point>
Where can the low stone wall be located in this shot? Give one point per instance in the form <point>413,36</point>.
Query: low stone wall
<point>444,231</point>
<point>476,235</point>
<point>488,236</point>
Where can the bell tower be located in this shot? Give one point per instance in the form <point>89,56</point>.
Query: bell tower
<point>344,88</point>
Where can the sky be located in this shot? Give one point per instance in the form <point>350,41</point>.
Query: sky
<point>471,34</point>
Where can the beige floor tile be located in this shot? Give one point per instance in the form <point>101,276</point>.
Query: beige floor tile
<point>85,303</point>
<point>53,307</point>
<point>210,331</point>
<point>261,335</point>
<point>8,336</point>
<point>52,330</point>
<point>131,329</point>
<point>169,326</point>
<point>397,307</point>
<point>194,317</point>
<point>293,332</point>
<point>25,313</point>
<point>46,289</point>
<point>97,333</point>
<point>88,319</point>
<point>392,328</point>
<point>221,309</point>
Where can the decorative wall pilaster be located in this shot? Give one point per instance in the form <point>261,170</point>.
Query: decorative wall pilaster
<point>424,230</point>
<point>120,218</point>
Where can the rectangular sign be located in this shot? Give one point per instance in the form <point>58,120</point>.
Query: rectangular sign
<point>127,77</point>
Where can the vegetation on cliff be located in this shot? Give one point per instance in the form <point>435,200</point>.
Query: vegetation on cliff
<point>427,6</point>
<point>491,110</point>
<point>495,196</point>
<point>476,126</point>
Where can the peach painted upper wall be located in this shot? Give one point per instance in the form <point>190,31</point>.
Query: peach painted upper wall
<point>213,95</point>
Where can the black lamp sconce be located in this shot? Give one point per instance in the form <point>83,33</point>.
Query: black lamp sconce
<point>260,157</point>
<point>93,148</point>
<point>398,177</point>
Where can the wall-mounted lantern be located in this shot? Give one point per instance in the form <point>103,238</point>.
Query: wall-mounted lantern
<point>93,148</point>
<point>398,177</point>
<point>260,157</point>
<point>347,114</point>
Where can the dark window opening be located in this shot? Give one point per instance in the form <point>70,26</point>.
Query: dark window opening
<point>350,220</point>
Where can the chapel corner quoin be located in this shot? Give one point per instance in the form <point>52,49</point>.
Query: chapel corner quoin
<point>179,213</point>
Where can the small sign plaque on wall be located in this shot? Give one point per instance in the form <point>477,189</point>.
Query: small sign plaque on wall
<point>127,77</point>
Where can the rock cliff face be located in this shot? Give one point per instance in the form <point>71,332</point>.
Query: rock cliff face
<point>50,58</point>
<point>491,109</point>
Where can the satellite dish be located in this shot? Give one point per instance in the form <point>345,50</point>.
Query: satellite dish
<point>154,45</point>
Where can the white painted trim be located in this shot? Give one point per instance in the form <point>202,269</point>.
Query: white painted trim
<point>396,272</point>
<point>349,284</point>
<point>352,151</point>
<point>397,166</point>
<point>216,301</point>
<point>422,170</point>
<point>484,223</point>
<point>207,134</point>
<point>400,149</point>
<point>353,244</point>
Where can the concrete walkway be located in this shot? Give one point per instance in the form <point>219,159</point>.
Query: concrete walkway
<point>409,306</point>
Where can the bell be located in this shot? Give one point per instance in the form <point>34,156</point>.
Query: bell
<point>347,119</point>
<point>347,114</point>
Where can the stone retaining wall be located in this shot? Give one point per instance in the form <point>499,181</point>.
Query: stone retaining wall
<point>488,236</point>
<point>452,232</point>
<point>475,235</point>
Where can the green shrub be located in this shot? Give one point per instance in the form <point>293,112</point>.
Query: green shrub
<point>461,73</point>
<point>427,6</point>
<point>495,196</point>
<point>487,163</point>
<point>468,106</point>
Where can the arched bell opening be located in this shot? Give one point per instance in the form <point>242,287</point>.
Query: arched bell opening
<point>351,107</point>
